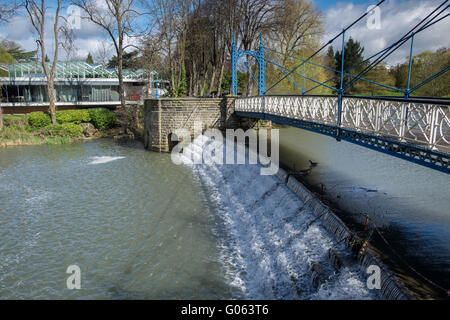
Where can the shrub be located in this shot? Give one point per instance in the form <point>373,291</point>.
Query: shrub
<point>102,118</point>
<point>17,121</point>
<point>69,130</point>
<point>73,116</point>
<point>38,119</point>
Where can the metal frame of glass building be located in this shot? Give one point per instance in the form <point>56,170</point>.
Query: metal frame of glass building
<point>76,83</point>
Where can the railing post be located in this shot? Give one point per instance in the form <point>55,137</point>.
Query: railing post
<point>263,106</point>
<point>433,127</point>
<point>403,121</point>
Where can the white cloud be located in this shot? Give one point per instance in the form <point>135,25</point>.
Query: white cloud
<point>88,38</point>
<point>397,18</point>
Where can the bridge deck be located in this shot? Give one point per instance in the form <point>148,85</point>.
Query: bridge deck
<point>416,130</point>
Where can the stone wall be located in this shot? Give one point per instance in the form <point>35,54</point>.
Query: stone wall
<point>163,116</point>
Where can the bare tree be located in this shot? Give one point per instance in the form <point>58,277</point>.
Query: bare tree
<point>296,23</point>
<point>117,18</point>
<point>8,9</point>
<point>257,17</point>
<point>37,13</point>
<point>103,53</point>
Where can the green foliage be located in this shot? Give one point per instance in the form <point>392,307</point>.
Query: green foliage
<point>38,119</point>
<point>242,79</point>
<point>19,54</point>
<point>353,56</point>
<point>16,121</point>
<point>102,118</point>
<point>74,116</point>
<point>89,59</point>
<point>57,140</point>
<point>5,57</point>
<point>11,134</point>
<point>129,60</point>
<point>423,66</point>
<point>69,130</point>
<point>183,82</point>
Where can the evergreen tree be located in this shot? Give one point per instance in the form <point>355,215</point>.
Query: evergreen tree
<point>130,60</point>
<point>329,58</point>
<point>5,57</point>
<point>353,56</point>
<point>181,90</point>
<point>19,54</point>
<point>89,59</point>
<point>47,59</point>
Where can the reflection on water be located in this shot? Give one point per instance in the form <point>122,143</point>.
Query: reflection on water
<point>410,203</point>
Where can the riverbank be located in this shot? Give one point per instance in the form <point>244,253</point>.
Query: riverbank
<point>72,125</point>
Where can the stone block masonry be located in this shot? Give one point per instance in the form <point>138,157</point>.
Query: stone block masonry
<point>163,116</point>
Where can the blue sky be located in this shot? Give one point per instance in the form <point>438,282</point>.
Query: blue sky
<point>326,4</point>
<point>396,18</point>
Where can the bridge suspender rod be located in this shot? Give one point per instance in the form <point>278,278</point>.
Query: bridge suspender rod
<point>324,46</point>
<point>400,42</point>
<point>296,73</point>
<point>340,91</point>
<point>338,71</point>
<point>409,68</point>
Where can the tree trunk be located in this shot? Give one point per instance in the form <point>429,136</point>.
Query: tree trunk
<point>222,67</point>
<point>250,83</point>
<point>211,83</point>
<point>195,82</point>
<point>51,98</point>
<point>202,90</point>
<point>191,83</point>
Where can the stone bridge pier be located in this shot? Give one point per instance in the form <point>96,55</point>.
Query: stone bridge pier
<point>163,116</point>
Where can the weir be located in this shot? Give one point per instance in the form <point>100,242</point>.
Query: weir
<point>163,116</point>
<point>284,242</point>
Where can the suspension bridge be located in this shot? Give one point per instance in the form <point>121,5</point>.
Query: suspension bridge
<point>416,129</point>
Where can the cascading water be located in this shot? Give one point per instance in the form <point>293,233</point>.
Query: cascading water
<point>273,246</point>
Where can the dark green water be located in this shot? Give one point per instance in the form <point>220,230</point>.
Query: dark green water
<point>408,202</point>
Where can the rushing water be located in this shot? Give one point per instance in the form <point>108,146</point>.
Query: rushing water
<point>408,202</point>
<point>141,227</point>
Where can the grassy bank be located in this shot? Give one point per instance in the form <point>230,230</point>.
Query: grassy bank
<point>36,127</point>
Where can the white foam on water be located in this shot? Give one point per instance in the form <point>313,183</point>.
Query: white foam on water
<point>104,159</point>
<point>270,239</point>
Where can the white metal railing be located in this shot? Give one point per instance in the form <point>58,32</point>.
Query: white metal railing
<point>420,123</point>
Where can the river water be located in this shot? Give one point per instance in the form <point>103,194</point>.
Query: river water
<point>140,227</point>
<point>409,203</point>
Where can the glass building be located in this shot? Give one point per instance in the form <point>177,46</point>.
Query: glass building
<point>76,83</point>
